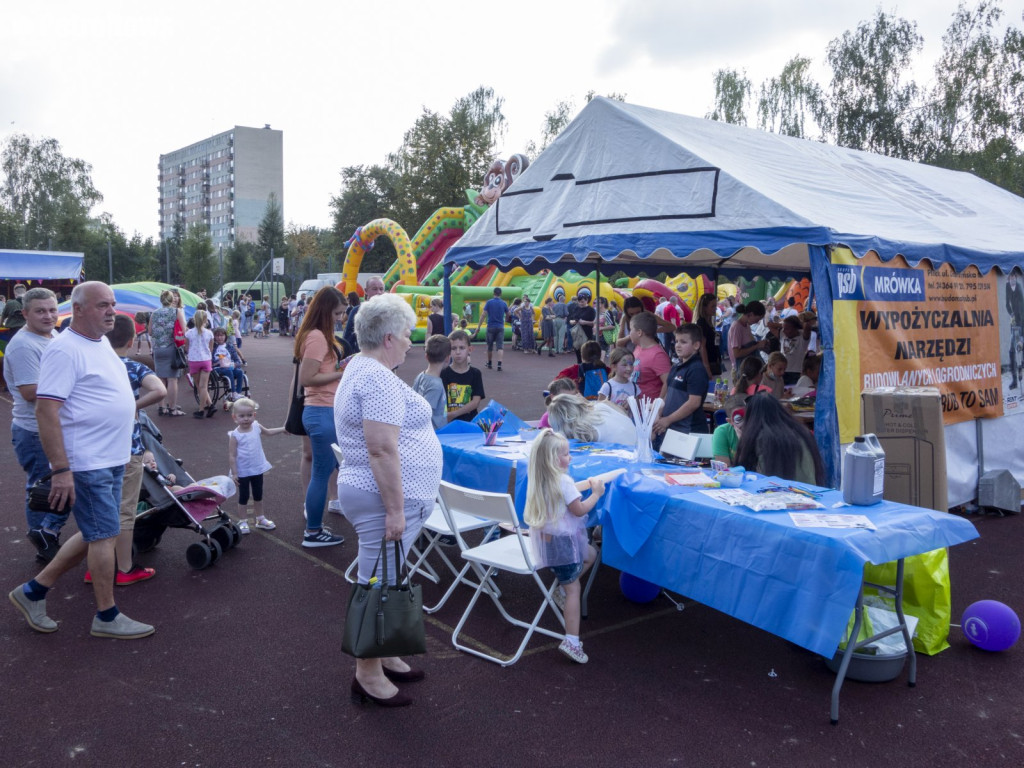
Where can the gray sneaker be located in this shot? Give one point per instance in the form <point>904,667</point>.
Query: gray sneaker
<point>34,610</point>
<point>121,628</point>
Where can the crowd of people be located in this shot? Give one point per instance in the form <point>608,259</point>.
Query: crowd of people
<point>71,387</point>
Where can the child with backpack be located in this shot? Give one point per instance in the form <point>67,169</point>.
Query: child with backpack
<point>590,374</point>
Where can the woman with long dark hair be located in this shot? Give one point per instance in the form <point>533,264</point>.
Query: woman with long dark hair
<point>320,358</point>
<point>710,354</point>
<point>776,444</point>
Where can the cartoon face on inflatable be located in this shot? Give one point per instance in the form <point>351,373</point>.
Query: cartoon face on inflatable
<point>494,184</point>
<point>499,177</point>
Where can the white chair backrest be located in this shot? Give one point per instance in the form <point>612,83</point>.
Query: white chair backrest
<point>489,506</point>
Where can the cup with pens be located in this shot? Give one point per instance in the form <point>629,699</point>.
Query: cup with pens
<point>491,427</point>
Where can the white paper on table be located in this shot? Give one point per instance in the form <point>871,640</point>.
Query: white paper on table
<point>619,453</point>
<point>506,451</point>
<point>827,520</point>
<point>734,497</point>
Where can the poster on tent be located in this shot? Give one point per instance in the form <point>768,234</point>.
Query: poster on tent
<point>902,326</point>
<point>1011,340</point>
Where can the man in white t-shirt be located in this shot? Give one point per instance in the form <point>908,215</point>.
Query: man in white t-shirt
<point>85,409</point>
<point>21,372</point>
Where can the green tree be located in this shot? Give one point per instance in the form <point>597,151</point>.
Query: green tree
<point>558,118</point>
<point>871,106</point>
<point>271,229</point>
<point>240,262</point>
<point>732,97</point>
<point>47,195</point>
<point>787,102</point>
<point>198,267</point>
<point>554,123</point>
<point>140,260</point>
<point>171,251</point>
<point>442,156</point>
<point>307,251</point>
<point>11,230</point>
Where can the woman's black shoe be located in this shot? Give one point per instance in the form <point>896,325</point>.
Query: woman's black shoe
<point>360,696</point>
<point>410,676</point>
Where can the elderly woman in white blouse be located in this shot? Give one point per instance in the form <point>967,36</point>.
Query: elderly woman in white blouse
<point>392,468</point>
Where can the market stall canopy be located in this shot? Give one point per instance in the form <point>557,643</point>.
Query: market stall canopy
<point>40,265</point>
<point>639,185</point>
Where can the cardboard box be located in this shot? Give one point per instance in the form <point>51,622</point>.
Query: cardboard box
<point>908,424</point>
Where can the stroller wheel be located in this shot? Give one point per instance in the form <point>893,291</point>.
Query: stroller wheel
<point>223,535</point>
<point>215,549</point>
<point>198,555</point>
<point>236,533</point>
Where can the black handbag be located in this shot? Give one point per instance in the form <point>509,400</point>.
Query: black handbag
<point>384,620</point>
<point>180,360</point>
<point>39,495</point>
<point>293,424</point>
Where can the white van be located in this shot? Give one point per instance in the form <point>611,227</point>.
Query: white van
<point>309,287</point>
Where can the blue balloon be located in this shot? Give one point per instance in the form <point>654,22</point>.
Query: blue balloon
<point>636,590</point>
<point>991,625</point>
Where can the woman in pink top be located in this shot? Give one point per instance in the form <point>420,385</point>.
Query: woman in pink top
<point>320,359</point>
<point>742,343</point>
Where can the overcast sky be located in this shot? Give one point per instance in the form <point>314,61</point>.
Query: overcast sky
<point>118,83</point>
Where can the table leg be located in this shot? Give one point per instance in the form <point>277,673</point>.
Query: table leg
<point>852,645</point>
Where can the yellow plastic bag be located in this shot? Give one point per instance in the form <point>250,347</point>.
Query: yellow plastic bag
<point>925,595</point>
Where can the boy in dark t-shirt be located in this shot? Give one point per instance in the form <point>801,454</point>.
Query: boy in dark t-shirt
<point>463,384</point>
<point>686,386</point>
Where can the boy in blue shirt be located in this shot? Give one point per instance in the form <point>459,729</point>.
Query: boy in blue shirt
<point>685,388</point>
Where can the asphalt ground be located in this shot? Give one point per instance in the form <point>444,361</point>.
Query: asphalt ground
<point>246,669</point>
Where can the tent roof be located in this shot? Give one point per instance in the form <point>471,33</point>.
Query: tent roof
<point>637,185</point>
<point>40,265</point>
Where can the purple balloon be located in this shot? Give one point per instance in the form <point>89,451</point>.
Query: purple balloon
<point>991,625</point>
<point>636,590</point>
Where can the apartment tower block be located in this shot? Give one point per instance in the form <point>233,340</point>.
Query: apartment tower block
<point>223,182</point>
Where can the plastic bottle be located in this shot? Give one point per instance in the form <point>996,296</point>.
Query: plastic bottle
<point>721,391</point>
<point>863,471</point>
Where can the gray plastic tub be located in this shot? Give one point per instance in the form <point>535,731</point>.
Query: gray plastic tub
<point>869,668</point>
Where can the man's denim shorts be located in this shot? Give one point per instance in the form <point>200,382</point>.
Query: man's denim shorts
<point>98,503</point>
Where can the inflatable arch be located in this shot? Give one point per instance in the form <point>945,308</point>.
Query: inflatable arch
<point>362,241</point>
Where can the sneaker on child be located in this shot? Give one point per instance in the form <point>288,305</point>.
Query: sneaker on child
<point>573,651</point>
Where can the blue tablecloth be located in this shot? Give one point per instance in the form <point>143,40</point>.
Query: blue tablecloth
<point>798,583</point>
<point>468,462</point>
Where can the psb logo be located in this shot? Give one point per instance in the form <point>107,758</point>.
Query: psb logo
<point>847,284</point>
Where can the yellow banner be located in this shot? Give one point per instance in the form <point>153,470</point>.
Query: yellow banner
<point>901,326</point>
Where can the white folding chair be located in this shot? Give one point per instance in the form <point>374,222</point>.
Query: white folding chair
<point>436,526</point>
<point>509,554</point>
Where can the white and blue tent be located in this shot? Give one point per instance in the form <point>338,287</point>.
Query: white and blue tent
<point>648,190</point>
<point>40,265</point>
